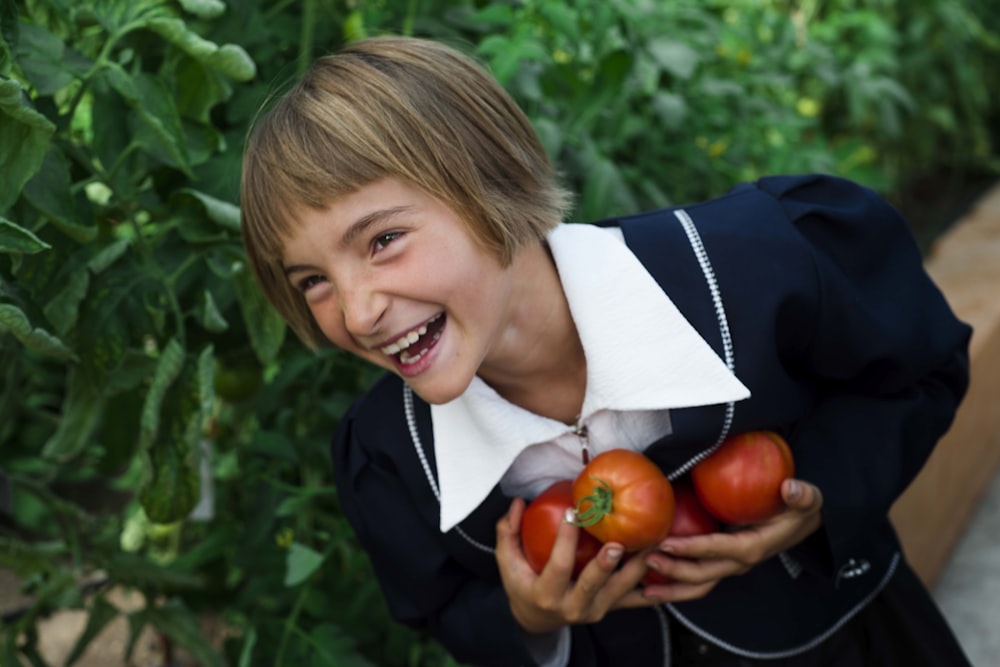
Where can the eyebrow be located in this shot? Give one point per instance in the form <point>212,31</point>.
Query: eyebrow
<point>359,227</point>
<point>366,221</point>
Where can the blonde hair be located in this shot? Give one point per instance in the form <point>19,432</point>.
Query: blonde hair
<point>408,108</point>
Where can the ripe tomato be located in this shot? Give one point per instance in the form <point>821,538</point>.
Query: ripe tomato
<point>540,523</point>
<point>690,518</point>
<point>740,482</point>
<point>621,496</point>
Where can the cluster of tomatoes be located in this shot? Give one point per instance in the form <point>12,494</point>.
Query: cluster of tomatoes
<point>622,496</point>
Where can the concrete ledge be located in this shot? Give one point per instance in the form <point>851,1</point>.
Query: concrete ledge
<point>933,513</point>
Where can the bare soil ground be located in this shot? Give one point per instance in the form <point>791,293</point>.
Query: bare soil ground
<point>59,633</point>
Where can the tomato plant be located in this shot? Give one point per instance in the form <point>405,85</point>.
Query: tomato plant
<point>740,482</point>
<point>690,518</point>
<point>540,525</point>
<point>622,496</point>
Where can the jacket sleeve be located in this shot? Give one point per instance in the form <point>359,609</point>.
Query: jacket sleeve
<point>888,354</point>
<point>425,588</point>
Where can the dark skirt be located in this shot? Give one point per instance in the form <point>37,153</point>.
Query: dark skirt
<point>901,627</point>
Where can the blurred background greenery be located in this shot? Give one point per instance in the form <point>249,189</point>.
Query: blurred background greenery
<point>160,431</point>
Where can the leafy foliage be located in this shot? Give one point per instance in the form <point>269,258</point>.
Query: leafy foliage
<point>160,431</point>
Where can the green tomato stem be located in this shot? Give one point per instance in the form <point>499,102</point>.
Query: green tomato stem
<point>600,505</point>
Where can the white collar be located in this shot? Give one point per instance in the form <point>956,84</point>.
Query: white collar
<point>641,355</point>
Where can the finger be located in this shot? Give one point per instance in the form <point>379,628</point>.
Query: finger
<point>676,592</point>
<point>509,525</point>
<point>699,571</point>
<point>709,545</point>
<point>603,585</point>
<point>508,549</point>
<point>801,495</point>
<point>563,555</point>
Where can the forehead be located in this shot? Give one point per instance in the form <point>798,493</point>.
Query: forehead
<point>348,218</point>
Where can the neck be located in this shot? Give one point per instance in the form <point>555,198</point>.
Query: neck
<point>538,362</point>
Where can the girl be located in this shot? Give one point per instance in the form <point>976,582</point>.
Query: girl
<point>397,204</point>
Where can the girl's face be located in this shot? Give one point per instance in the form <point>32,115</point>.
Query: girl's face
<point>393,276</point>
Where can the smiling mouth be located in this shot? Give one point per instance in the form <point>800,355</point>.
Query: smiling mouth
<point>413,345</point>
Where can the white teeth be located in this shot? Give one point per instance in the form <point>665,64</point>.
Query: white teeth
<point>406,358</point>
<point>408,339</point>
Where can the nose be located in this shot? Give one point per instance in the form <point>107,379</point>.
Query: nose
<point>362,307</point>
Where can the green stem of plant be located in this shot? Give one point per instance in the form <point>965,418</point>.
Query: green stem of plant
<point>185,265</point>
<point>306,36</point>
<point>411,14</point>
<point>102,58</point>
<point>600,505</point>
<point>290,626</point>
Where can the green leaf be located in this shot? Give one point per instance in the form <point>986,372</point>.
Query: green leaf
<point>169,367</point>
<point>49,191</point>
<point>107,255</point>
<point>80,416</point>
<point>28,559</point>
<point>670,109</point>
<point>121,16</point>
<point>24,137</point>
<point>203,218</point>
<point>46,61</point>
<point>181,625</point>
<point>112,137</point>
<point>249,642</point>
<point>103,335</point>
<point>158,124</point>
<point>14,321</point>
<point>211,318</point>
<point>173,488</point>
<point>230,59</point>
<point>17,239</point>
<point>130,569</point>
<point>674,56</point>
<point>175,31</point>
<point>205,373</point>
<point>333,647</point>
<point>222,213</point>
<point>10,33</point>
<point>10,652</point>
<point>101,613</point>
<point>160,130</point>
<point>300,563</point>
<point>204,9</point>
<point>233,61</point>
<point>265,327</point>
<point>63,309</point>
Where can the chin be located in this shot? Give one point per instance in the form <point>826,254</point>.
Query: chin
<point>436,394</point>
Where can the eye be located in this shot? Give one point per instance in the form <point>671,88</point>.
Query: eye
<point>382,240</point>
<point>309,282</point>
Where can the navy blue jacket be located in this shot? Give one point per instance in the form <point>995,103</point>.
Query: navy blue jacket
<point>814,289</point>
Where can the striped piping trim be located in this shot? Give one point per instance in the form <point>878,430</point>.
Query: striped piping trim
<point>802,648</point>
<point>411,424</point>
<point>727,340</point>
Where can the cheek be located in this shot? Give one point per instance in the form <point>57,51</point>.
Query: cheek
<point>327,316</point>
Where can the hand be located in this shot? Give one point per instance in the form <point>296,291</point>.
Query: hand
<point>548,601</point>
<point>696,564</point>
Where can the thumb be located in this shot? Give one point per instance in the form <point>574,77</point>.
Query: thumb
<point>801,495</point>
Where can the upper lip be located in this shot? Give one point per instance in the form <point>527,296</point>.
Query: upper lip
<point>393,340</point>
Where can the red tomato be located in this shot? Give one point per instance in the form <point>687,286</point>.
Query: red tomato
<point>690,518</point>
<point>621,496</point>
<point>541,521</point>
<point>740,482</point>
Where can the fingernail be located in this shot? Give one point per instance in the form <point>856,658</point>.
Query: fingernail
<point>570,515</point>
<point>794,490</point>
<point>614,553</point>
